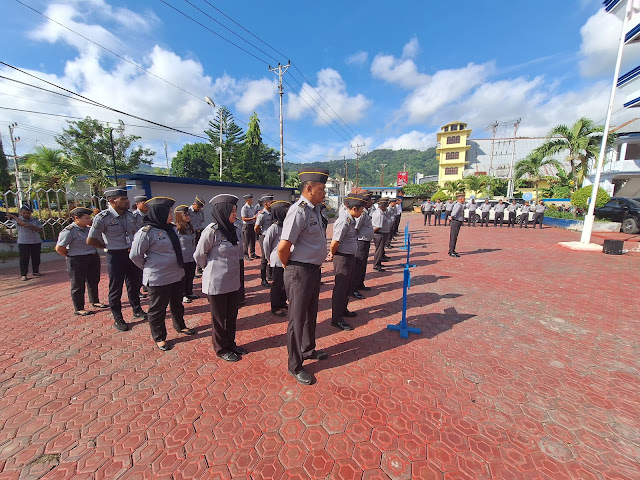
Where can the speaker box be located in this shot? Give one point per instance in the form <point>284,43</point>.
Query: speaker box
<point>613,247</point>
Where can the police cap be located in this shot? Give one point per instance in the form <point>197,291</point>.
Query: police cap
<point>224,198</point>
<point>160,201</point>
<point>319,175</point>
<point>115,192</point>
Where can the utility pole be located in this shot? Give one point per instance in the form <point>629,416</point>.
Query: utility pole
<point>357,149</point>
<point>16,169</point>
<point>382,165</point>
<point>511,187</point>
<point>280,70</point>
<point>167,158</point>
<point>494,126</point>
<point>113,156</point>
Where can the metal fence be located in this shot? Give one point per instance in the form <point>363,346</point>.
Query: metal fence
<point>50,206</point>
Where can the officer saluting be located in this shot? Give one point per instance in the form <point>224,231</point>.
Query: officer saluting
<point>457,217</point>
<point>302,229</point>
<point>114,229</point>
<point>448,208</point>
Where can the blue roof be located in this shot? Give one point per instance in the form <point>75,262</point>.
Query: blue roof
<point>198,181</point>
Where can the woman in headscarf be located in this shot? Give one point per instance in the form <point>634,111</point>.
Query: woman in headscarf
<point>187,237</point>
<point>156,250</point>
<point>270,243</point>
<point>218,253</point>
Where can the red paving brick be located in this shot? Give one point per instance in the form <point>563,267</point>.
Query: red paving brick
<point>527,368</point>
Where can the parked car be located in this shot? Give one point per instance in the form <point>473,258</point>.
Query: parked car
<point>623,210</point>
<point>492,213</point>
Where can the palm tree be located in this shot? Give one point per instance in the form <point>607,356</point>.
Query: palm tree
<point>453,186</point>
<point>532,165</point>
<point>47,167</point>
<point>475,183</point>
<point>581,141</point>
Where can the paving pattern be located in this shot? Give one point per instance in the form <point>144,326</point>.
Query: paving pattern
<point>527,368</point>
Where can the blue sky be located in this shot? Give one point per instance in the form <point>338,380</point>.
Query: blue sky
<point>393,71</point>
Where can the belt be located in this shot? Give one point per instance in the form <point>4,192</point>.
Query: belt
<point>302,264</point>
<point>456,220</point>
<point>344,254</point>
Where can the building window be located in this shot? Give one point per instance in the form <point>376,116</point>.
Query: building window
<point>452,156</point>
<point>446,129</point>
<point>462,126</point>
<point>454,128</point>
<point>453,140</point>
<point>451,171</point>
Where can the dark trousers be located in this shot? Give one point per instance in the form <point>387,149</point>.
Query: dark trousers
<point>388,237</point>
<point>302,284</point>
<point>537,218</point>
<point>122,270</point>
<point>472,217</point>
<point>224,314</point>
<point>278,292</point>
<point>265,268</point>
<point>249,239</point>
<point>29,251</point>
<point>453,235</point>
<point>512,219</point>
<point>484,220</point>
<point>198,235</point>
<point>189,275</point>
<point>396,224</point>
<point>438,218</point>
<point>343,266</point>
<point>446,218</point>
<point>159,298</point>
<point>84,269</point>
<point>379,240</point>
<point>499,218</point>
<point>524,220</point>
<point>360,268</point>
<point>241,294</point>
<point>427,217</point>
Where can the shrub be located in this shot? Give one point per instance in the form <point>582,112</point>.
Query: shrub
<point>580,198</point>
<point>440,194</point>
<point>560,191</point>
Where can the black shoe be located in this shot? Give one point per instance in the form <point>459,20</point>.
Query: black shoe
<point>140,314</point>
<point>230,357</point>
<point>121,325</point>
<point>350,314</point>
<point>357,295</point>
<point>264,283</point>
<point>269,279</point>
<point>302,377</point>
<point>380,269</point>
<point>454,254</point>
<point>342,325</point>
<point>165,348</point>
<point>365,289</point>
<point>318,355</point>
<point>192,297</point>
<point>386,259</point>
<point>254,256</point>
<point>247,257</point>
<point>144,295</point>
<point>239,350</point>
<point>188,331</point>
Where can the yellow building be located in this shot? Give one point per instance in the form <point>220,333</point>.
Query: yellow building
<point>452,150</point>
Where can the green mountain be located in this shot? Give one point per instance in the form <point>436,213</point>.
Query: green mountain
<point>369,166</point>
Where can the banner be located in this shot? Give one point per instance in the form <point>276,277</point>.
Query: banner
<point>403,179</point>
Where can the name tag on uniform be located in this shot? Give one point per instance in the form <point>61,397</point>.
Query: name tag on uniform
<point>127,239</point>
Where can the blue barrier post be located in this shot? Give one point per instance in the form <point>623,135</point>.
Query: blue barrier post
<point>406,283</point>
<point>406,238</point>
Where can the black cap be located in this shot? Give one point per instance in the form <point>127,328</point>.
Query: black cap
<point>140,198</point>
<point>313,175</point>
<point>281,203</point>
<point>459,194</point>
<point>80,211</point>
<point>199,201</point>
<point>25,207</point>
<point>181,209</point>
<point>160,201</point>
<point>355,200</point>
<point>115,192</point>
<point>224,198</point>
<point>266,198</point>
<point>248,195</point>
<point>367,194</point>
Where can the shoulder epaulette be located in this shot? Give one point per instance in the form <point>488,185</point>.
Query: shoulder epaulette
<point>146,228</point>
<point>69,227</point>
<point>302,204</point>
<point>103,213</point>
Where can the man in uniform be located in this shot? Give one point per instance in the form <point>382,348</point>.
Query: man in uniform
<point>457,217</point>
<point>196,216</point>
<point>29,241</point>
<point>396,225</point>
<point>437,210</point>
<point>485,209</point>
<point>499,214</point>
<point>513,206</point>
<point>263,222</point>
<point>524,215</point>
<point>538,215</point>
<point>141,209</point>
<point>448,207</point>
<point>472,206</point>
<point>427,210</point>
<point>364,230</point>
<point>302,229</point>
<point>381,229</point>
<point>114,229</point>
<point>248,213</point>
<point>390,213</point>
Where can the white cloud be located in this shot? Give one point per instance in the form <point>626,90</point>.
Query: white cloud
<point>255,93</point>
<point>333,89</point>
<point>358,58</point>
<point>411,49</point>
<point>413,139</point>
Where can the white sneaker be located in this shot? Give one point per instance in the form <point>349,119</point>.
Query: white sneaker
<point>186,300</point>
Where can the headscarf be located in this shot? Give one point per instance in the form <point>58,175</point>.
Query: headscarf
<point>279,211</point>
<point>157,217</point>
<point>221,213</point>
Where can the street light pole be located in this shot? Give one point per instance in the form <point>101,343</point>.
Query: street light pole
<point>113,156</point>
<point>210,102</point>
<point>15,161</point>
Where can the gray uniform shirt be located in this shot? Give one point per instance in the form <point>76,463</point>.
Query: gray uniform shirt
<point>437,206</point>
<point>303,228</point>
<point>364,227</point>
<point>448,207</point>
<point>540,208</point>
<point>458,211</point>
<point>499,208</point>
<point>264,220</point>
<point>472,206</point>
<point>187,245</point>
<point>220,260</point>
<point>485,207</point>
<point>152,251</point>
<point>116,231</point>
<point>137,218</point>
<point>270,244</point>
<point>344,231</point>
<point>248,211</point>
<point>525,209</point>
<point>512,207</point>
<point>427,206</point>
<point>196,219</point>
<point>380,221</point>
<point>26,236</point>
<point>74,239</point>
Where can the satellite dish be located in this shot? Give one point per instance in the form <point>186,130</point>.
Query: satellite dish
<point>527,196</point>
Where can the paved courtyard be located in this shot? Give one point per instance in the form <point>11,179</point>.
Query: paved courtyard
<point>527,368</point>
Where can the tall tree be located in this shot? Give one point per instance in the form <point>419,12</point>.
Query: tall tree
<point>454,186</point>
<point>232,144</point>
<point>260,161</point>
<point>532,166</point>
<point>5,177</point>
<point>48,168</point>
<point>475,183</point>
<point>195,160</point>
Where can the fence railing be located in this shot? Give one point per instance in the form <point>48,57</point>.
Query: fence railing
<point>50,206</point>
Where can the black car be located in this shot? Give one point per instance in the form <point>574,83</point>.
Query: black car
<point>623,210</point>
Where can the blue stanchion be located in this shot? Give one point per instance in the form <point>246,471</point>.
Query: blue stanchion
<point>406,237</point>
<point>402,327</point>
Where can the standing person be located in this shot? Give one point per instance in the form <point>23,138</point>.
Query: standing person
<point>485,209</point>
<point>196,215</point>
<point>390,213</point>
<point>499,213</point>
<point>302,229</point>
<point>278,294</point>
<point>140,210</point>
<point>457,217</point>
<point>538,215</point>
<point>219,253</point>
<point>437,210</point>
<point>427,210</point>
<point>472,206</point>
<point>396,225</point>
<point>342,251</point>
<point>114,229</point>
<point>448,207</point>
<point>524,215</point>
<point>380,225</point>
<point>511,209</point>
<point>263,222</point>
<point>364,230</point>
<point>156,251</point>
<point>83,261</point>
<point>187,237</point>
<point>29,241</point>
<point>248,213</point>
